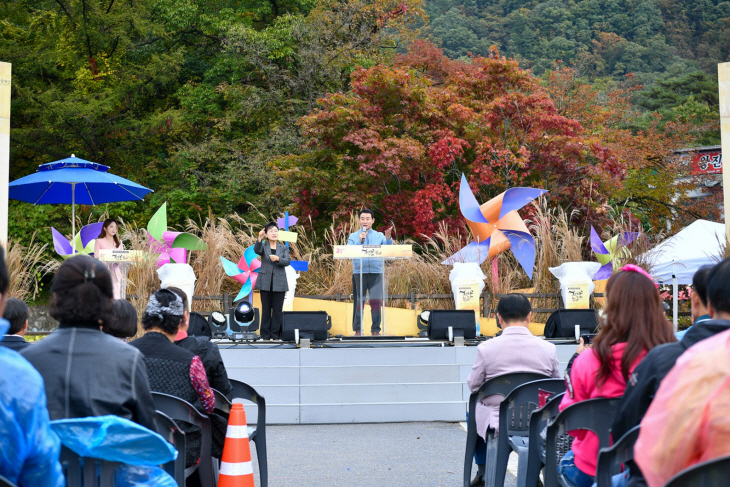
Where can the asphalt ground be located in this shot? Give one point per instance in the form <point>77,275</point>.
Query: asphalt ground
<point>384,454</point>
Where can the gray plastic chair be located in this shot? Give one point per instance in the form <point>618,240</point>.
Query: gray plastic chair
<point>6,483</point>
<point>595,415</point>
<point>501,385</point>
<point>536,441</point>
<point>85,471</point>
<point>257,433</point>
<point>170,431</point>
<point>514,431</point>
<point>712,473</point>
<point>611,459</point>
<point>181,410</point>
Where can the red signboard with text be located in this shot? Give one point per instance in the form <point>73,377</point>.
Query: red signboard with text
<point>707,162</point>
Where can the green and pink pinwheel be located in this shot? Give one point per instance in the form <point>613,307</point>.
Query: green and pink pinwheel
<point>172,246</point>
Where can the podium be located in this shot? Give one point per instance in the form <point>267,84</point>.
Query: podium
<point>366,254</point>
<point>118,262</point>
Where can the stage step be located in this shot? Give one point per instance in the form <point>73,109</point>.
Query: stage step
<point>357,385</point>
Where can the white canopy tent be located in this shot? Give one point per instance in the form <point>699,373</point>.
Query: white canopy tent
<point>676,259</point>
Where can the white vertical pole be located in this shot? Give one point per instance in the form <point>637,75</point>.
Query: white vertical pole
<point>675,303</point>
<point>5,83</point>
<point>723,77</point>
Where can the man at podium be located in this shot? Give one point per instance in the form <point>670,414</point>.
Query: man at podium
<point>372,272</point>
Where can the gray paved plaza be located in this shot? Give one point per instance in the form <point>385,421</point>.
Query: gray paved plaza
<point>386,454</point>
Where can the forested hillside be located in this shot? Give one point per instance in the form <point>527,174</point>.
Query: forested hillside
<point>603,37</point>
<point>670,47</point>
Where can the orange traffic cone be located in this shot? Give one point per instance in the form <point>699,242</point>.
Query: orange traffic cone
<point>236,467</point>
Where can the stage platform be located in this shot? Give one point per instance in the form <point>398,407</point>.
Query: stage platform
<point>358,381</point>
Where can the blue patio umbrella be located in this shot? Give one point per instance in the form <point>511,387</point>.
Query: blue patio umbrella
<point>74,181</point>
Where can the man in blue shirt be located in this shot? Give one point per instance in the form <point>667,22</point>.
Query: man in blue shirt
<point>372,272</point>
<point>698,298</point>
<point>28,447</point>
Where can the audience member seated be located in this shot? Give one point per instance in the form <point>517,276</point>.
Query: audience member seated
<point>205,349</point>
<point>172,369</point>
<point>687,422</point>
<point>633,323</point>
<point>698,299</point>
<point>123,323</point>
<point>515,350</point>
<point>17,313</point>
<point>87,372</point>
<point>28,448</point>
<point>648,375</point>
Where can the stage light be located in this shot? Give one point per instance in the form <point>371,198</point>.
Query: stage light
<point>244,313</point>
<point>218,325</point>
<point>243,322</point>
<point>422,323</point>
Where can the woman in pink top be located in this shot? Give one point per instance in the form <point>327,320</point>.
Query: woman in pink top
<point>109,239</point>
<point>633,324</point>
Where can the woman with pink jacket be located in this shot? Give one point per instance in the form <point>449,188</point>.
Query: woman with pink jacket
<point>634,323</point>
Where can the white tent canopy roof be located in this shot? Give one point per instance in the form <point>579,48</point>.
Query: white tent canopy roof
<point>696,245</point>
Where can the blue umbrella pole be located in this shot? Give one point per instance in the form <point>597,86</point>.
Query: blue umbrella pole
<point>73,218</point>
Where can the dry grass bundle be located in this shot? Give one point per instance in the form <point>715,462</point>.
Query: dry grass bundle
<point>221,240</point>
<point>25,267</point>
<point>142,279</point>
<point>555,243</point>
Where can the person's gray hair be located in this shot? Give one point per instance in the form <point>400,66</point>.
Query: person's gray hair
<point>155,309</point>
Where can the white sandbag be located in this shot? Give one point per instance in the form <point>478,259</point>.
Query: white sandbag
<point>576,282</point>
<point>291,280</point>
<point>181,276</point>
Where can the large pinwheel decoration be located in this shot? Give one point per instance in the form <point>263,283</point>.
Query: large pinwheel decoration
<point>245,272</point>
<point>172,246</point>
<point>83,242</point>
<point>497,226</point>
<point>606,251</point>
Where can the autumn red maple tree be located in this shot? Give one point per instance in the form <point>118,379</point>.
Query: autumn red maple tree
<point>399,140</point>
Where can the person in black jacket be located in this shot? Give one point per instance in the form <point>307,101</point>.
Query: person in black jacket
<point>87,372</point>
<point>205,349</point>
<point>17,313</point>
<point>271,282</point>
<point>708,283</point>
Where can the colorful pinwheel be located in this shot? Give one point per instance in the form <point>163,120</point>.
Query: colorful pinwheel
<point>497,226</point>
<point>245,272</point>
<point>284,224</point>
<point>172,246</point>
<point>606,251</point>
<point>83,243</point>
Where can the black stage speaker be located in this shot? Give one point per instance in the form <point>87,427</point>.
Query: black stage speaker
<point>463,322</point>
<point>561,324</point>
<point>199,326</point>
<point>311,324</point>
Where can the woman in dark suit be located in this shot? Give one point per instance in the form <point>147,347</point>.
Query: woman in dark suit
<point>272,280</point>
